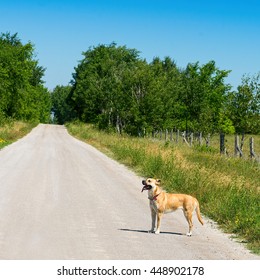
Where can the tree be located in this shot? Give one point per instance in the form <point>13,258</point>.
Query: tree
<point>204,95</point>
<point>97,88</point>
<point>22,95</point>
<point>114,88</point>
<point>163,96</point>
<point>244,105</point>
<point>60,107</point>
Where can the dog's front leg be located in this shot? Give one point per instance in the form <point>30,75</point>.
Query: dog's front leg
<point>153,216</point>
<point>159,216</point>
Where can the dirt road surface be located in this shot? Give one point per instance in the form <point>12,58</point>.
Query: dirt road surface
<point>62,199</point>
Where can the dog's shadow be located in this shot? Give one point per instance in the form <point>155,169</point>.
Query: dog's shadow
<point>147,232</point>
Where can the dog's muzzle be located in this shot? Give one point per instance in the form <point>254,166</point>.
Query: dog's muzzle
<point>146,187</point>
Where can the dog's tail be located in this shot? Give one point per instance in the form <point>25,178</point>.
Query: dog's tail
<point>198,213</point>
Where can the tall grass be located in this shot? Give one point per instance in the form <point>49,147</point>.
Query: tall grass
<point>228,189</point>
<point>13,130</point>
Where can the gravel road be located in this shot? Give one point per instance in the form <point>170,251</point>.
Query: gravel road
<point>62,199</point>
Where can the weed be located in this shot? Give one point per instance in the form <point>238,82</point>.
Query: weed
<point>13,130</point>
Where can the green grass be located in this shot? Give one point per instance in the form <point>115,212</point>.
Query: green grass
<point>13,130</point>
<point>227,188</point>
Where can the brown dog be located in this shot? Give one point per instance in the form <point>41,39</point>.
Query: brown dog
<point>162,202</point>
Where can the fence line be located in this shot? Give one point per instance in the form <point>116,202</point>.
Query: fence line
<point>190,139</point>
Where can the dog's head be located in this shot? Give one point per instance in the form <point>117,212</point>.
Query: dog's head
<point>150,183</point>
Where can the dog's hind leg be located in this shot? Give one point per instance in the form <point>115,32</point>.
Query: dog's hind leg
<point>188,216</point>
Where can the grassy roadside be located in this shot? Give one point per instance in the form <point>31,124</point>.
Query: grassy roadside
<point>227,188</point>
<point>14,130</point>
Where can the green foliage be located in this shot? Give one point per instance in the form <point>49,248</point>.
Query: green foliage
<point>243,106</point>
<point>22,95</point>
<point>100,92</point>
<point>114,87</point>
<point>225,124</point>
<point>60,107</point>
<point>204,96</point>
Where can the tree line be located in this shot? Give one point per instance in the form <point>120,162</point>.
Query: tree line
<point>114,88</point>
<point>22,92</point>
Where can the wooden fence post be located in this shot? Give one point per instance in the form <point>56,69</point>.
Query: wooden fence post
<point>236,145</point>
<point>191,139</point>
<point>208,141</point>
<point>251,144</point>
<point>184,138</point>
<point>222,144</point>
<point>171,135</point>
<point>237,149</point>
<point>242,141</point>
<point>200,138</point>
<point>166,135</point>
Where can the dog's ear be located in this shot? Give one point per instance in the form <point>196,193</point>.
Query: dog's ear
<point>158,181</point>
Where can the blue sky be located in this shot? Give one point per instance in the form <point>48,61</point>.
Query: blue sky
<point>186,30</point>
